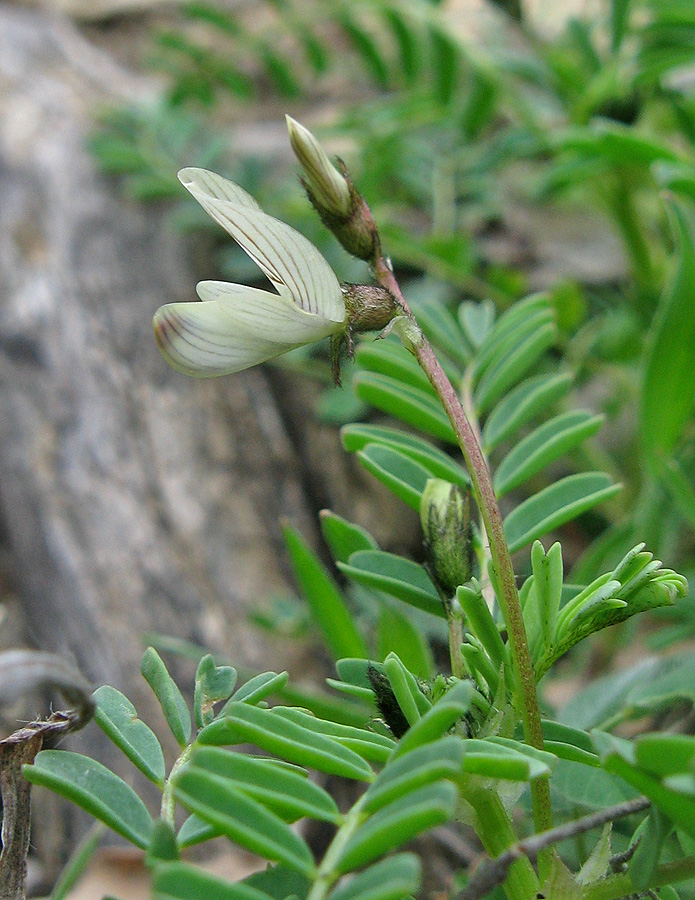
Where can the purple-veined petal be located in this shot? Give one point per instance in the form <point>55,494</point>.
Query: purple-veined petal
<point>233,328</point>
<point>199,339</point>
<point>290,261</point>
<point>269,316</point>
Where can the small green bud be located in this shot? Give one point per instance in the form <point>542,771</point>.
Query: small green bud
<point>327,187</point>
<point>445,515</point>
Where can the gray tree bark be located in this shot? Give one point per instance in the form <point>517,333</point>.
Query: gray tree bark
<point>132,499</point>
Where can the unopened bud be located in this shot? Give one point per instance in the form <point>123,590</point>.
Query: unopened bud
<point>445,515</point>
<point>327,187</point>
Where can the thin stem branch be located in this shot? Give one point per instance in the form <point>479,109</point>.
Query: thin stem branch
<point>326,875</point>
<point>168,802</point>
<point>501,559</point>
<point>490,874</point>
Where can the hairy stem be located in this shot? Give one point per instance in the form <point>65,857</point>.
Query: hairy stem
<point>481,480</point>
<point>168,803</point>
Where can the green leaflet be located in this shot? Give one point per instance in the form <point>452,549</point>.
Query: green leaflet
<point>95,789</point>
<point>258,688</point>
<point>162,846</point>
<point>390,879</point>
<point>660,766</point>
<point>195,831</point>
<point>180,881</point>
<point>117,716</point>
<point>325,600</point>
<point>397,823</point>
<point>411,405</point>
<point>397,576</point>
<point>396,633</point>
<point>365,46</point>
<point>424,765</point>
<point>287,793</point>
<point>412,702</point>
<point>505,373</point>
<point>526,401</point>
<point>401,475</point>
<point>410,51</point>
<point>243,820</point>
<point>436,723</point>
<point>367,744</point>
<point>587,787</point>
<point>442,329</point>
<point>438,464</point>
<point>544,445</point>
<point>288,740</point>
<point>343,537</point>
<point>168,694</point>
<point>392,359</point>
<point>479,620</point>
<point>617,143</point>
<point>520,320</point>
<point>212,685</point>
<point>668,390</point>
<point>553,506</point>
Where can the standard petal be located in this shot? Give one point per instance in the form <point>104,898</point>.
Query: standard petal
<point>202,339</point>
<point>266,315</point>
<point>290,261</point>
<point>217,187</point>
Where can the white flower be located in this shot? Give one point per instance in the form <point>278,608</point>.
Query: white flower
<point>235,326</point>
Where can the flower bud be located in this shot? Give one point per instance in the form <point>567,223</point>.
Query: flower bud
<point>445,515</point>
<point>327,187</point>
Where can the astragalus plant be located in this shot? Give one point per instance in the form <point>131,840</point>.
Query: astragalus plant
<point>424,747</point>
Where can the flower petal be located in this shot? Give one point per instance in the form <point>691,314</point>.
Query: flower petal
<point>201,339</point>
<point>266,315</point>
<point>289,260</point>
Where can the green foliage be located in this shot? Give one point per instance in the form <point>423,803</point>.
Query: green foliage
<point>595,119</point>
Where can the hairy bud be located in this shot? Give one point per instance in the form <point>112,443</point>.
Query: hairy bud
<point>333,195</point>
<point>445,515</point>
<point>369,307</point>
<point>327,187</point>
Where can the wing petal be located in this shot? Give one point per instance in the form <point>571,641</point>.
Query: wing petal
<point>290,261</point>
<point>201,339</point>
<point>266,315</point>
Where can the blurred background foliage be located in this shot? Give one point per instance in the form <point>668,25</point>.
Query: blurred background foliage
<point>500,156</point>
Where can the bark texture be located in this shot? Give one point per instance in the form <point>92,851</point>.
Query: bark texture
<point>132,499</point>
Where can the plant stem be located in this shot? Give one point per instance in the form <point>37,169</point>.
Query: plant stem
<point>501,559</point>
<point>454,615</point>
<point>623,209</point>
<point>326,875</point>
<point>168,803</point>
<point>495,831</point>
<point>490,874</point>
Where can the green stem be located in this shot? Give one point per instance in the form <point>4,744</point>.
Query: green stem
<point>168,802</point>
<point>454,614</point>
<point>495,831</point>
<point>623,209</point>
<point>499,551</point>
<point>326,875</point>
<point>616,886</point>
